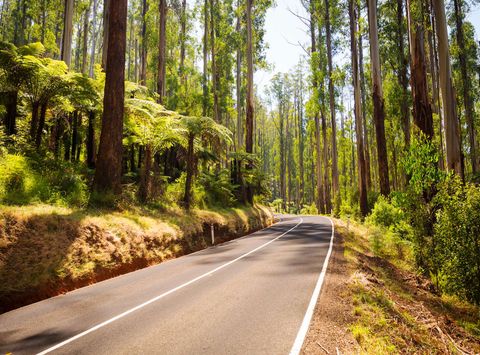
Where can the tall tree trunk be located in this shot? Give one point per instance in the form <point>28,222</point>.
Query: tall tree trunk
<point>301,144</point>
<point>130,45</point>
<point>34,122</point>
<point>378,103</point>
<point>91,140</point>
<point>106,31</point>
<point>331,94</point>
<point>402,77</point>
<point>145,187</point>
<point>162,48</point>
<point>358,111</point>
<point>326,182</point>
<point>239,84</point>
<point>11,112</point>
<point>320,202</point>
<point>94,40</point>
<point>74,136</point>
<point>41,125</point>
<point>283,184</point>
<point>215,79</point>
<point>466,85</point>
<point>109,161</point>
<point>205,59</point>
<point>85,39</point>
<point>187,197</point>
<point>452,130</point>
<point>143,55</point>
<point>67,32</point>
<point>368,161</point>
<point>183,37</point>
<point>250,103</point>
<point>422,111</point>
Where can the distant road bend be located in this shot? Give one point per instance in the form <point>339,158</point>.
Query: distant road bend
<point>252,295</point>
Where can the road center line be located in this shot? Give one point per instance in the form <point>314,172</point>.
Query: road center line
<point>136,308</point>
<point>302,332</point>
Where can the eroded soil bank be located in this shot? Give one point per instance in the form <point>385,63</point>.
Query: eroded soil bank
<point>46,250</point>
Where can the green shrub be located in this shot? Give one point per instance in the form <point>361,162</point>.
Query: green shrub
<point>24,180</point>
<point>384,214</point>
<point>19,184</point>
<point>311,209</point>
<point>457,238</point>
<point>218,188</point>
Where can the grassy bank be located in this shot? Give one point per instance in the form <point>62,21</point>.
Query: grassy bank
<point>46,250</point>
<point>395,309</point>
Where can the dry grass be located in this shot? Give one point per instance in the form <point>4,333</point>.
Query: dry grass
<point>396,310</point>
<point>45,250</point>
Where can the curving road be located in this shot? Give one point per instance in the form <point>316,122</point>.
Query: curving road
<point>249,296</point>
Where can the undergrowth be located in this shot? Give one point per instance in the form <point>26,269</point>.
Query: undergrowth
<point>395,308</point>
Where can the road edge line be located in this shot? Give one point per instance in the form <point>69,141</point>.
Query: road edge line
<point>302,332</point>
<point>156,298</point>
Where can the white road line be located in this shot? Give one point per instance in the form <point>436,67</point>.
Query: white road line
<point>209,273</point>
<point>302,332</point>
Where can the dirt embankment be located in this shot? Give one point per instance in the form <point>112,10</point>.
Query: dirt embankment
<point>45,250</point>
<point>374,302</point>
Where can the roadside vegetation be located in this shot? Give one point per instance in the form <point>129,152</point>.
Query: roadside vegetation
<point>47,250</point>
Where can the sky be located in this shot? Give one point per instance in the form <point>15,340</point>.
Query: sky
<point>284,32</point>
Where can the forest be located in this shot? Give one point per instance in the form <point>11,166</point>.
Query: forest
<point>115,104</point>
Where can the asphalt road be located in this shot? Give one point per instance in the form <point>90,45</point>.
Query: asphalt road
<point>247,296</point>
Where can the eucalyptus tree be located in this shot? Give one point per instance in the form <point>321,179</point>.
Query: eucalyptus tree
<point>358,108</point>
<point>452,131</point>
<point>109,162</point>
<point>378,102</point>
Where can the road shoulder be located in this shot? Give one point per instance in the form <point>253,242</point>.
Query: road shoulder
<point>334,312</point>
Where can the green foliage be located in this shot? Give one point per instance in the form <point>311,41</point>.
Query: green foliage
<point>384,214</point>
<point>218,188</point>
<point>421,164</point>
<point>457,236</point>
<point>19,184</point>
<point>309,210</point>
<point>23,181</point>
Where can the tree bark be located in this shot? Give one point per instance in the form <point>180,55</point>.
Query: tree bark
<point>239,85</point>
<point>378,103</point>
<point>358,111</point>
<point>331,94</point>
<point>422,111</point>
<point>145,187</point>
<point>466,85</point>
<point>93,50</point>
<point>85,39</point>
<point>402,77</point>
<point>11,112</point>
<point>250,103</point>
<point>183,37</point>
<point>67,32</point>
<point>91,140</point>
<point>143,55</point>
<point>34,122</point>
<point>162,9</point>
<point>106,31</point>
<point>215,79</point>
<point>205,60</point>
<point>41,125</point>
<point>368,161</point>
<point>187,197</point>
<point>74,136</point>
<point>109,162</point>
<point>452,129</point>
<point>326,182</point>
